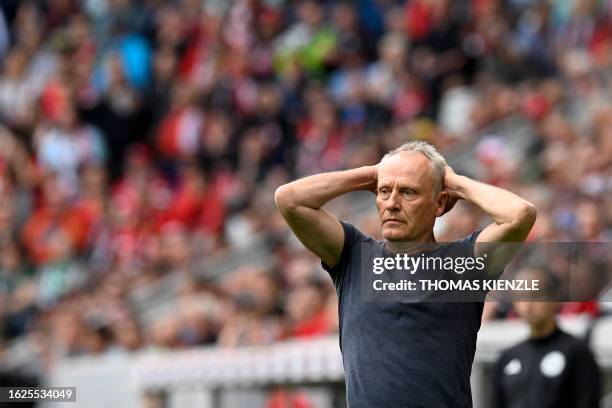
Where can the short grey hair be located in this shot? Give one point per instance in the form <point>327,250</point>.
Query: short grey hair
<point>438,162</point>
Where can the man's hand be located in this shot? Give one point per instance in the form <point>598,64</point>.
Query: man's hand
<point>450,186</point>
<point>373,184</point>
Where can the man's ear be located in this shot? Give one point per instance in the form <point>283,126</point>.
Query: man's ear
<point>450,202</point>
<point>441,203</point>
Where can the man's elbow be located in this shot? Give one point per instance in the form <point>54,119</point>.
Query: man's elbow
<point>526,216</point>
<point>283,198</point>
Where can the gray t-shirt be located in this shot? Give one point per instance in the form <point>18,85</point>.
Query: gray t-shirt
<point>402,354</point>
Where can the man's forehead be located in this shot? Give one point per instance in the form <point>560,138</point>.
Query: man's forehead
<point>405,164</point>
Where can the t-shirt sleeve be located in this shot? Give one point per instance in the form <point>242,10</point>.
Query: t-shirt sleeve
<point>351,239</point>
<point>490,271</point>
<point>468,243</point>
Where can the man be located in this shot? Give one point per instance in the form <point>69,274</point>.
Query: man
<point>401,354</point>
<point>550,368</point>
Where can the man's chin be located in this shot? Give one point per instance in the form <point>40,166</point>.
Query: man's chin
<point>393,234</point>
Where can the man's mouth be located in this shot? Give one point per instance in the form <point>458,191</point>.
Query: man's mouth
<point>392,220</point>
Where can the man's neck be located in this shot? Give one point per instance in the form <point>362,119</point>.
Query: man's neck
<point>409,247</point>
<point>543,331</point>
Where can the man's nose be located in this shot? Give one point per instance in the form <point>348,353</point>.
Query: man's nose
<point>393,202</point>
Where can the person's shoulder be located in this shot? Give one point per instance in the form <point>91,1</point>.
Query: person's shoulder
<point>514,350</point>
<point>465,245</point>
<point>470,238</point>
<point>507,356</point>
<point>573,343</point>
<point>352,233</point>
<point>354,241</point>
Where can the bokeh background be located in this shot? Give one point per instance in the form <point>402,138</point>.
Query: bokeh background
<point>141,142</point>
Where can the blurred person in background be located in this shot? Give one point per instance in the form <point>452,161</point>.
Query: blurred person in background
<point>64,143</point>
<point>551,368</point>
<point>306,311</point>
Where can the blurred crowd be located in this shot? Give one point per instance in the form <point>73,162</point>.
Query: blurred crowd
<point>138,138</point>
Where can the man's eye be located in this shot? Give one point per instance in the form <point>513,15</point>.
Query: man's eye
<point>383,191</point>
<point>407,192</point>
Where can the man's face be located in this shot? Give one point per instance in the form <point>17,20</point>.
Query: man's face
<point>538,309</point>
<point>406,206</point>
<point>536,314</point>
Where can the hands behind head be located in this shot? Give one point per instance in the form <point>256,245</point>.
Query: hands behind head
<point>450,203</point>
<point>450,187</point>
<point>373,184</point>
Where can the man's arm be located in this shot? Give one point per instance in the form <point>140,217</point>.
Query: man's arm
<point>300,204</point>
<point>512,216</point>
